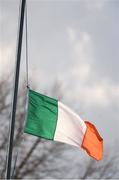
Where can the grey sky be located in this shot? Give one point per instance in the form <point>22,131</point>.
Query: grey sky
<point>75,42</point>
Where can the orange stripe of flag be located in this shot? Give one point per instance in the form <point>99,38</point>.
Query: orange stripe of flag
<point>93,142</point>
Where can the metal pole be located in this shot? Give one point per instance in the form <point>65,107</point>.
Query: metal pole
<point>16,83</point>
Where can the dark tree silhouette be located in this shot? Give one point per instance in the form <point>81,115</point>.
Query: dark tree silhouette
<point>38,158</point>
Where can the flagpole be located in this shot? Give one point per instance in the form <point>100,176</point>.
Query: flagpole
<point>16,83</point>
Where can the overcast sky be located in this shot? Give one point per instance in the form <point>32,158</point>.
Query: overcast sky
<point>75,42</point>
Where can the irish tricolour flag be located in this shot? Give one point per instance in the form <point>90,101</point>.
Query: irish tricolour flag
<point>50,119</point>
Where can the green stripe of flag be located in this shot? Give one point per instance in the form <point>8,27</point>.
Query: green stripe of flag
<point>42,115</point>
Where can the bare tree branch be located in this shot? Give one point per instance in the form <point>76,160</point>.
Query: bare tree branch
<point>42,163</point>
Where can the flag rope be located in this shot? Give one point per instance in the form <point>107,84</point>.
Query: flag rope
<point>27,65</point>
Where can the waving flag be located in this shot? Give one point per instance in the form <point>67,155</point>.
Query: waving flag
<point>50,119</point>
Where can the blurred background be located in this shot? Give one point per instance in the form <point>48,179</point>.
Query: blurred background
<point>73,56</point>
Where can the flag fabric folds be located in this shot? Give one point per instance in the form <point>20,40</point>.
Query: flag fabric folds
<point>50,119</point>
